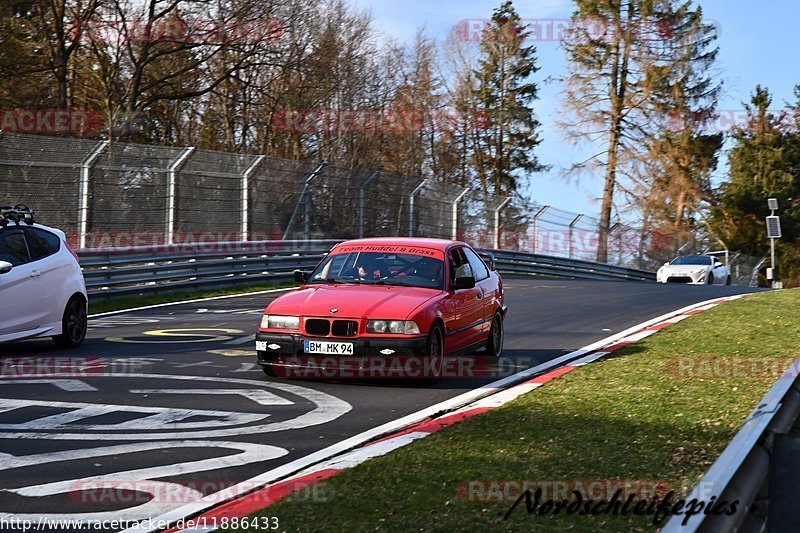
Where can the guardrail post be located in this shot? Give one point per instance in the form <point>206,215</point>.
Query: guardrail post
<point>571,231</point>
<point>455,211</point>
<point>536,218</point>
<point>83,194</point>
<point>499,208</point>
<point>172,172</point>
<point>361,201</point>
<point>245,198</point>
<point>302,200</point>
<point>411,196</point>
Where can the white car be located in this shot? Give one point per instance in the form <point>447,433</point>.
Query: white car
<point>42,291</point>
<point>694,269</point>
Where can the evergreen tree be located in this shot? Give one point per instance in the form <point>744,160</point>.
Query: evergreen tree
<point>503,153</point>
<point>764,163</point>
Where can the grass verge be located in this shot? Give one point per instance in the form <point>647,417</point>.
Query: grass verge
<point>117,304</point>
<point>661,410</point>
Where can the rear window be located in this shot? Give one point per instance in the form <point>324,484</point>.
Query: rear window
<point>42,243</point>
<point>13,247</point>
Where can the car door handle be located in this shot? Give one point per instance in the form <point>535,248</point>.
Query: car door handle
<point>479,295</point>
<point>36,273</point>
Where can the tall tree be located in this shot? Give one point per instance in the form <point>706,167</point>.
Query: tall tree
<point>631,65</point>
<point>504,151</point>
<point>764,163</point>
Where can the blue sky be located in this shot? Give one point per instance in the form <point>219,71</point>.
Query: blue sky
<point>759,43</point>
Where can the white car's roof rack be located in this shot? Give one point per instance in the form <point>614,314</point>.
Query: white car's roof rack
<point>18,213</point>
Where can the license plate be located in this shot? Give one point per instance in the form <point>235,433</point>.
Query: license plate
<point>328,348</point>
<point>261,346</point>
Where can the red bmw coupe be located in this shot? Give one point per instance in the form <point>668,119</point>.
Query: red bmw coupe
<point>386,297</point>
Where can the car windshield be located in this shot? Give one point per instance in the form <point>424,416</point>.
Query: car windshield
<point>377,268</point>
<point>692,260</point>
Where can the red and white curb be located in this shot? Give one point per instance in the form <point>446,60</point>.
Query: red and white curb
<point>242,500</point>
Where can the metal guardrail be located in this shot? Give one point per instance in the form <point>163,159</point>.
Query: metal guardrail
<point>745,472</point>
<point>526,264</point>
<point>114,272</point>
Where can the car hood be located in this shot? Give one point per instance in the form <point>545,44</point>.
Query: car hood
<point>685,269</point>
<point>353,301</point>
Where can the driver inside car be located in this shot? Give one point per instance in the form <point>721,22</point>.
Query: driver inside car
<point>430,270</point>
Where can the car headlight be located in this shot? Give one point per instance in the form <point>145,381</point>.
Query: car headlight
<point>397,327</point>
<point>280,322</point>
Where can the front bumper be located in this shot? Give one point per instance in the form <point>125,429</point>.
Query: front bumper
<point>690,279</point>
<point>284,357</point>
<point>291,344</point>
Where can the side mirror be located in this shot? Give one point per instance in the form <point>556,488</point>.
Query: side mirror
<point>301,276</point>
<point>5,267</point>
<point>465,282</point>
<point>717,264</point>
<point>666,264</point>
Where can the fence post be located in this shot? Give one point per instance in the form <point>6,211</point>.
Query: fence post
<point>455,211</point>
<point>302,200</point>
<point>499,208</point>
<point>361,201</point>
<point>536,218</point>
<point>411,196</point>
<point>610,232</point>
<point>571,230</point>
<point>172,171</point>
<point>83,192</point>
<point>245,198</point>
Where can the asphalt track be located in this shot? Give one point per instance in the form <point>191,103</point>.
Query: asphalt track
<point>161,405</point>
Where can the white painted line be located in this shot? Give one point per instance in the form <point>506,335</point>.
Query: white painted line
<point>583,361</point>
<point>164,493</point>
<point>69,385</point>
<point>154,306</point>
<point>325,408</point>
<point>460,401</point>
<point>258,396</point>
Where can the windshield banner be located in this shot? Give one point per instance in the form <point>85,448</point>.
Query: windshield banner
<point>390,249</point>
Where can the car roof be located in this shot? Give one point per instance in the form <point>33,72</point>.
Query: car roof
<point>436,244</point>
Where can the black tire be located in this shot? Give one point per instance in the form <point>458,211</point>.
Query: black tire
<point>710,278</point>
<point>728,280</point>
<point>268,370</point>
<point>494,344</point>
<point>73,324</point>
<point>435,350</point>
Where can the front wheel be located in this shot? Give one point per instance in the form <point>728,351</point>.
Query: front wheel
<point>494,345</point>
<point>728,280</point>
<point>435,349</point>
<point>710,278</point>
<point>73,324</point>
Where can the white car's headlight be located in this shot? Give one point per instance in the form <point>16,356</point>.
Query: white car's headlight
<point>397,327</point>
<point>280,322</point>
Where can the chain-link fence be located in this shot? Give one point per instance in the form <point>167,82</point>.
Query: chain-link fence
<point>118,195</point>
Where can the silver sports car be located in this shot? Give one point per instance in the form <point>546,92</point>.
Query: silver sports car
<point>695,270</point>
